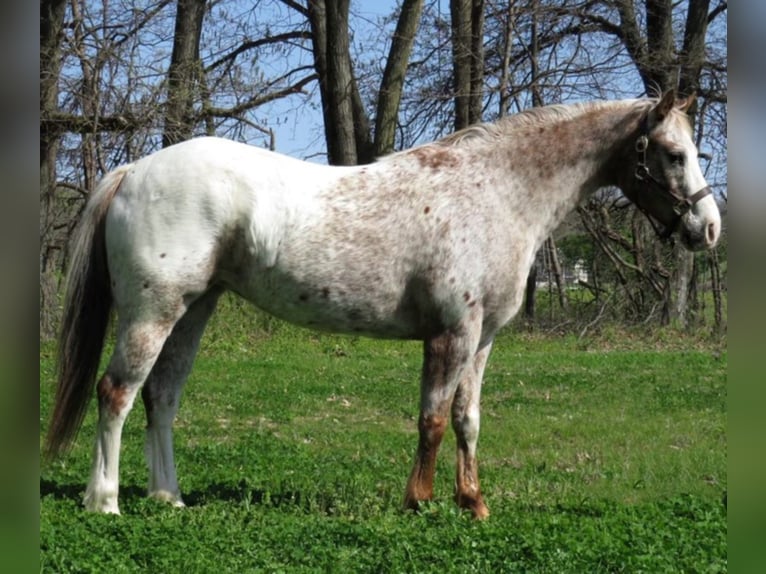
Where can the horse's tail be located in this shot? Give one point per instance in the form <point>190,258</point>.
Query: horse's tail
<point>87,308</point>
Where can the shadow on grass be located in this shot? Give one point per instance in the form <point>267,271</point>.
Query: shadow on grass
<point>243,492</point>
<point>216,492</point>
<point>240,493</point>
<point>75,492</point>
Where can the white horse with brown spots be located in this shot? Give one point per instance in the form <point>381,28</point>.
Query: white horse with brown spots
<point>433,243</point>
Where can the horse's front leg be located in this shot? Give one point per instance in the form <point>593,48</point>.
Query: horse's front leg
<point>465,422</point>
<point>446,357</point>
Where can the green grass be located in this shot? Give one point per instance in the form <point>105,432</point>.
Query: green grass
<point>293,450</point>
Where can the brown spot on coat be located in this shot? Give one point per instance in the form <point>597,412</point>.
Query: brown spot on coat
<point>111,394</point>
<point>435,157</point>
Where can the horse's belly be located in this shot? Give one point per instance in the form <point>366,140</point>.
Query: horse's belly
<point>326,306</point>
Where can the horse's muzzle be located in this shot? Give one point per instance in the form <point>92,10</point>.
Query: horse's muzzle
<point>700,236</point>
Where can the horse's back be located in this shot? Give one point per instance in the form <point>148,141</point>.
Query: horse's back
<point>211,168</point>
<point>178,210</point>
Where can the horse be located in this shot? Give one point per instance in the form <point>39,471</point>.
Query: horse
<point>433,243</point>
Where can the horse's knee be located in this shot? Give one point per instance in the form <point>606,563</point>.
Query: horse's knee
<point>466,424</point>
<point>431,429</point>
<point>114,395</point>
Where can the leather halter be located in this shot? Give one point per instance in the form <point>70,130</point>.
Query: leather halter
<point>681,205</point>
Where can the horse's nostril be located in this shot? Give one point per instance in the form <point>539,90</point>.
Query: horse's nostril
<point>711,233</point>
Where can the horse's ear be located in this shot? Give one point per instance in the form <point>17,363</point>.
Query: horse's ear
<point>686,103</point>
<point>663,107</point>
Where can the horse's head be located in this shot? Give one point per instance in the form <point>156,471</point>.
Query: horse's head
<point>667,183</point>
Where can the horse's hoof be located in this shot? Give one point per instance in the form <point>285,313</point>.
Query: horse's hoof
<point>475,505</point>
<point>106,505</point>
<point>166,496</point>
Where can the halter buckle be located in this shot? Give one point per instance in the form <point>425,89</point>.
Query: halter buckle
<point>681,206</point>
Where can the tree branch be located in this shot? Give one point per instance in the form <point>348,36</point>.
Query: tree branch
<point>717,10</point>
<point>58,122</point>
<point>295,6</point>
<point>259,99</point>
<point>252,44</point>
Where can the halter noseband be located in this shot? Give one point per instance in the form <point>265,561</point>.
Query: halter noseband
<point>681,204</point>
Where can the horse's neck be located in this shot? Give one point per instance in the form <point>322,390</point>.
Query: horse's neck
<point>558,161</point>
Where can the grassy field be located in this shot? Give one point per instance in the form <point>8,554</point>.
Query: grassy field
<point>600,455</point>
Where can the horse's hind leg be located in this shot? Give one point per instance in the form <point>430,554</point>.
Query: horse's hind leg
<point>138,344</point>
<point>465,422</point>
<point>446,357</point>
<point>162,392</point>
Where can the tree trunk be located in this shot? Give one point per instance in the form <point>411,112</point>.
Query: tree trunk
<point>341,82</point>
<point>467,18</point>
<point>558,275</point>
<point>537,101</point>
<point>330,41</point>
<point>693,51</point>
<point>89,97</point>
<point>184,72</point>
<point>461,59</point>
<point>346,123</point>
<point>318,21</point>
<point>680,284</point>
<point>692,59</point>
<point>715,285</point>
<point>529,293</point>
<point>51,26</point>
<point>505,88</point>
<point>390,93</point>
<point>660,64</point>
<point>534,50</point>
<point>476,99</point>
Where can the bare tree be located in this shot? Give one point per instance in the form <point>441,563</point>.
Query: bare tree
<point>329,29</point>
<point>468,60</point>
<point>347,125</point>
<point>184,73</point>
<point>51,35</point>
<point>392,81</point>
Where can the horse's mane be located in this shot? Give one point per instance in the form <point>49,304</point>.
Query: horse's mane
<point>532,117</point>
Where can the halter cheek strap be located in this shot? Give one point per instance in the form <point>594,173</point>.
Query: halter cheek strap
<point>681,204</point>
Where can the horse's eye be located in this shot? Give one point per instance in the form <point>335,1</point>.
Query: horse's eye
<point>676,158</point>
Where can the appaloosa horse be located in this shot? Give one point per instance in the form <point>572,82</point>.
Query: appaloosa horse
<point>433,243</point>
